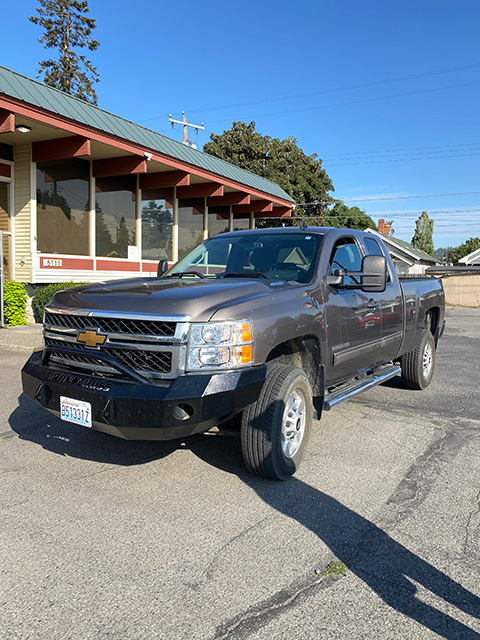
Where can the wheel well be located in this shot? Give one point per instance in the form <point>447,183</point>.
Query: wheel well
<point>303,353</point>
<point>430,321</point>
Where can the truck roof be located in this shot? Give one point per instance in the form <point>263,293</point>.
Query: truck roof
<point>315,230</point>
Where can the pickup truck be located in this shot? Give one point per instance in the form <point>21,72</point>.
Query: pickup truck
<point>270,325</point>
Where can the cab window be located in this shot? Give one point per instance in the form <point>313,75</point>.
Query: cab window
<point>346,255</point>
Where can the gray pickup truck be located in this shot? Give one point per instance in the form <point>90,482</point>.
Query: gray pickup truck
<point>274,325</point>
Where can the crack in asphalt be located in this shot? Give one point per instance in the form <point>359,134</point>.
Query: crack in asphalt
<point>265,609</point>
<point>473,513</point>
<point>435,450</point>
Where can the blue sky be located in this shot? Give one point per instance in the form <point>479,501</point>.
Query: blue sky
<point>386,93</point>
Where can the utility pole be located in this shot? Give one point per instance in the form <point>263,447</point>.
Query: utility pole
<point>185,128</point>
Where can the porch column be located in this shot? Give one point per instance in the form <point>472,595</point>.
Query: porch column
<point>205,219</point>
<point>175,226</point>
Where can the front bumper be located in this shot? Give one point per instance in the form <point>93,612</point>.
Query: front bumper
<point>141,411</point>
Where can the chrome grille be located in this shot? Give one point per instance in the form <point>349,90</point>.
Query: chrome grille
<point>137,359</point>
<point>111,325</point>
<point>152,346</point>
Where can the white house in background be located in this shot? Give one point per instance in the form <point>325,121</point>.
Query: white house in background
<point>408,261</point>
<point>472,258</point>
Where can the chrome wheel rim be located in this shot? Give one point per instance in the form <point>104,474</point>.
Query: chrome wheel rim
<point>293,423</point>
<point>427,360</point>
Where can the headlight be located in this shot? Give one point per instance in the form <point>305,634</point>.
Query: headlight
<point>220,345</point>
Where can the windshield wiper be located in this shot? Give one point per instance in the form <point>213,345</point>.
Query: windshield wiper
<point>244,274</point>
<point>180,274</point>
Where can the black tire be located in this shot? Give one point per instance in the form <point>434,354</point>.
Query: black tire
<point>415,372</point>
<point>266,450</point>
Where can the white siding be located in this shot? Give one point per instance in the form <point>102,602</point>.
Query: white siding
<point>22,212</point>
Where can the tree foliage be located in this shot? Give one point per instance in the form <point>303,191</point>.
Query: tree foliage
<point>349,217</point>
<point>442,253</point>
<point>301,176</point>
<point>281,161</point>
<point>423,236</point>
<point>472,244</point>
<point>67,29</point>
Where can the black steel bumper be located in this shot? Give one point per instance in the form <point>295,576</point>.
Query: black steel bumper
<point>140,411</point>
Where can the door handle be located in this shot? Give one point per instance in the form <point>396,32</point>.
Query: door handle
<point>372,304</point>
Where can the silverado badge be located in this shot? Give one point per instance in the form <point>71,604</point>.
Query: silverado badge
<point>91,338</point>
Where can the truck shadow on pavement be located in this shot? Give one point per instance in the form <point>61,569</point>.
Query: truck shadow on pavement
<point>386,566</point>
<point>31,422</point>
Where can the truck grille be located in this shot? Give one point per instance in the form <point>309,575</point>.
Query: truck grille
<point>154,348</point>
<point>111,325</point>
<point>138,359</point>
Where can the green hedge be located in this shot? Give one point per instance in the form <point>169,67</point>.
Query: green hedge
<point>43,294</point>
<point>15,303</point>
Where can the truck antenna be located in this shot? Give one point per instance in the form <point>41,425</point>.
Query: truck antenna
<point>303,226</point>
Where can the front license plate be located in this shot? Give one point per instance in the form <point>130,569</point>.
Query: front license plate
<point>76,411</point>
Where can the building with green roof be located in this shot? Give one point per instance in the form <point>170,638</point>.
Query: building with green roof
<point>88,195</point>
<point>407,259</point>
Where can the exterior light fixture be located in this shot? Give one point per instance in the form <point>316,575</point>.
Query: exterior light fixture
<point>23,128</point>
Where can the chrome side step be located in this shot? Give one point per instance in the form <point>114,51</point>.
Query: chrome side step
<point>351,389</point>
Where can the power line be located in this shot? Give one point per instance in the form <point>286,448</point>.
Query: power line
<point>300,96</point>
<point>347,154</point>
<point>342,104</point>
<point>426,154</point>
<point>381,161</point>
<point>430,195</point>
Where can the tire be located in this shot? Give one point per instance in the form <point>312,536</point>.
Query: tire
<point>276,428</point>
<point>418,364</point>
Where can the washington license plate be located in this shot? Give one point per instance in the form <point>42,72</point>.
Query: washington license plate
<point>76,411</point>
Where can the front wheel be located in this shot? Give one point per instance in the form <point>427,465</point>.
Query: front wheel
<point>276,428</point>
<point>417,365</point>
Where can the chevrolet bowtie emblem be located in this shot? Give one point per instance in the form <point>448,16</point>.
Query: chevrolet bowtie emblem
<point>91,338</point>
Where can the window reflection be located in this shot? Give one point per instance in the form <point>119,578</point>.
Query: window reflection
<point>240,223</point>
<point>190,224</point>
<point>217,223</point>
<point>157,224</point>
<point>63,205</point>
<point>115,216</point>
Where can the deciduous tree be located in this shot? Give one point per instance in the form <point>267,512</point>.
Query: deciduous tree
<point>472,244</point>
<point>349,217</point>
<point>68,29</point>
<point>281,161</point>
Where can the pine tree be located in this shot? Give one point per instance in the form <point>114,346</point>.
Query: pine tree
<point>423,237</point>
<point>67,28</point>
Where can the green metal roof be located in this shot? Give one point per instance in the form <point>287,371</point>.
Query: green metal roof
<point>402,244</point>
<point>35,93</point>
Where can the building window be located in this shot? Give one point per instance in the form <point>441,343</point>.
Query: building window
<point>115,215</point>
<point>6,152</point>
<point>157,224</point>
<point>240,223</point>
<point>217,223</point>
<point>190,224</point>
<point>63,197</point>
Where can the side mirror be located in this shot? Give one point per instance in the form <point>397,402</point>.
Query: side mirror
<point>337,279</point>
<point>374,274</point>
<point>162,268</point>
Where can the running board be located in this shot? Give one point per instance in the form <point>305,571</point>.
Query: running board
<point>358,386</point>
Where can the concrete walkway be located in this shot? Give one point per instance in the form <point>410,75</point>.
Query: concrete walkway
<point>23,338</point>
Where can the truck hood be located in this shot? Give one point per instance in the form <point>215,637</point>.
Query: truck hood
<point>173,296</point>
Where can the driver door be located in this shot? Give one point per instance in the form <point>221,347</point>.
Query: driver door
<point>353,318</point>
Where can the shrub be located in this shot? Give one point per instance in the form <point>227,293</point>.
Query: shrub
<point>15,303</point>
<point>43,294</point>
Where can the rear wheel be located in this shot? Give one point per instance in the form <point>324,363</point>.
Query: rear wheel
<point>276,428</point>
<point>417,365</point>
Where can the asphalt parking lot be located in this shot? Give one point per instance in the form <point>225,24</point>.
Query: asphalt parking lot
<point>103,538</point>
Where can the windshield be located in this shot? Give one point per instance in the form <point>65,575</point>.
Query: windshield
<point>276,256</point>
